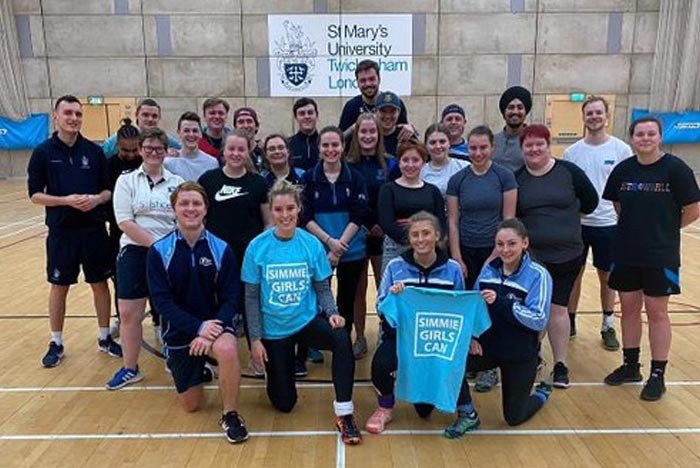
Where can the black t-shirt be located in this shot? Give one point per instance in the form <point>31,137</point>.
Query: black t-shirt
<point>651,197</point>
<point>550,206</point>
<point>234,207</point>
<point>356,106</point>
<point>117,166</point>
<point>397,202</point>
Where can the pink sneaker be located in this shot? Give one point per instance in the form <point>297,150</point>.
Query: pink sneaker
<point>380,418</point>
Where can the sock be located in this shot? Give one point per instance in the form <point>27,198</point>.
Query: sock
<point>57,337</point>
<point>572,320</point>
<point>631,355</point>
<point>103,332</point>
<point>343,408</point>
<point>658,368</point>
<point>608,320</point>
<point>542,393</point>
<point>386,401</point>
<point>467,410</point>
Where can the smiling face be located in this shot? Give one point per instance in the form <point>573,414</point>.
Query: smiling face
<point>215,117</point>
<point>646,138</point>
<point>148,117</point>
<point>438,145</point>
<point>246,123</point>
<point>423,237</point>
<point>368,137</point>
<point>510,247</point>
<point>285,213</point>
<point>536,152</point>
<point>330,147</point>
<point>190,134</point>
<point>190,210</point>
<point>307,118</point>
<point>236,152</point>
<point>515,113</point>
<point>595,118</point>
<point>388,117</point>
<point>455,124</point>
<point>68,118</point>
<point>368,82</point>
<point>410,164</point>
<point>480,151</point>
<point>276,152</point>
<point>153,151</point>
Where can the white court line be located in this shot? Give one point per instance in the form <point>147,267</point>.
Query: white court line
<point>24,221</point>
<point>10,234</point>
<point>339,452</point>
<point>480,432</point>
<point>158,388</point>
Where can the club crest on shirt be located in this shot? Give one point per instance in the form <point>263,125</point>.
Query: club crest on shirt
<point>85,163</point>
<point>437,334</point>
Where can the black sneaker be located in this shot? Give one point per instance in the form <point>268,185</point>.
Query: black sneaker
<point>53,356</point>
<point>560,375</point>
<point>624,374</point>
<point>109,346</point>
<point>234,427</point>
<point>609,340</point>
<point>300,369</point>
<point>654,388</point>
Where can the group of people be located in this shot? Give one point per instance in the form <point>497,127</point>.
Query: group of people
<point>229,236</point>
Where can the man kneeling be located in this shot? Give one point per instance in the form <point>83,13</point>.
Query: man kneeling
<point>195,284</point>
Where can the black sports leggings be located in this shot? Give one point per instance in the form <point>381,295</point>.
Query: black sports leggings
<point>348,275</point>
<point>519,404</point>
<point>318,334</point>
<point>385,363</point>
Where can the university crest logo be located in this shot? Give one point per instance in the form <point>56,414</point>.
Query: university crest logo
<point>296,57</point>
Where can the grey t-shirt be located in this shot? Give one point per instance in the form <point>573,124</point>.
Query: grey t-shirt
<point>507,152</point>
<point>480,199</point>
<point>191,168</point>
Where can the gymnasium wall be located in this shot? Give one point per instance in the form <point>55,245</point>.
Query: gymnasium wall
<point>182,51</point>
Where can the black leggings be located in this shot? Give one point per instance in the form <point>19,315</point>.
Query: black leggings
<point>517,378</point>
<point>318,334</point>
<point>348,275</point>
<point>474,258</point>
<point>385,363</point>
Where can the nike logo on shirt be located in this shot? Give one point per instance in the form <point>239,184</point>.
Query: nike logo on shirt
<point>228,192</point>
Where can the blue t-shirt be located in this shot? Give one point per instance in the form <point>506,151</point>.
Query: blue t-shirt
<point>480,200</point>
<point>285,271</point>
<point>434,330</point>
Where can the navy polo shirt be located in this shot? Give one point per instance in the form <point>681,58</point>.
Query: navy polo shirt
<point>58,169</point>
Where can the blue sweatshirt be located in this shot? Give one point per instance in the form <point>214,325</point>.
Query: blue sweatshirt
<point>58,169</point>
<point>191,285</point>
<point>303,150</point>
<point>521,309</point>
<point>374,177</point>
<point>334,205</point>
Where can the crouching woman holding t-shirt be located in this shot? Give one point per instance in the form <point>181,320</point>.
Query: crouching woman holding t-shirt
<point>288,301</point>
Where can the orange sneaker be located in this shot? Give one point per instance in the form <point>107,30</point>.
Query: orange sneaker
<point>348,429</point>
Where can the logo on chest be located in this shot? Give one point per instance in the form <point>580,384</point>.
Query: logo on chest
<point>227,192</point>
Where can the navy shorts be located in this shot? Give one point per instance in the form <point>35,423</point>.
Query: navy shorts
<point>563,278</point>
<point>601,240</point>
<point>187,371</point>
<point>67,250</point>
<point>654,282</point>
<point>131,272</point>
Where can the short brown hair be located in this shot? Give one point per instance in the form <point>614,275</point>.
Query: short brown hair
<point>189,186</point>
<point>412,144</point>
<point>154,133</point>
<point>211,102</point>
<point>593,98</point>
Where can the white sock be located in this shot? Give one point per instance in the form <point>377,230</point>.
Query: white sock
<point>343,408</point>
<point>57,337</point>
<point>608,322</point>
<point>103,332</point>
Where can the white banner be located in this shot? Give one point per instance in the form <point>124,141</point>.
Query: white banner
<point>316,55</point>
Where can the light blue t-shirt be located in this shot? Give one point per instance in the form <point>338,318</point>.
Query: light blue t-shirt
<point>109,146</point>
<point>285,271</point>
<point>434,329</point>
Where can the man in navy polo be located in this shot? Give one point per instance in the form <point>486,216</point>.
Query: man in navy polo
<point>68,175</point>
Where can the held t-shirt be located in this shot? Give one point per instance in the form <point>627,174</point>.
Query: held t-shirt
<point>285,271</point>
<point>651,197</point>
<point>434,329</point>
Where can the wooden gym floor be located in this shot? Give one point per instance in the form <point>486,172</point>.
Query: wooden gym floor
<point>65,417</point>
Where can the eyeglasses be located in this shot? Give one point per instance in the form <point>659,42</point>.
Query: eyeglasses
<point>153,149</point>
